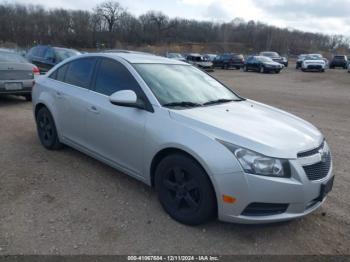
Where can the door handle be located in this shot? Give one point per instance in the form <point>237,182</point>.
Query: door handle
<point>93,109</point>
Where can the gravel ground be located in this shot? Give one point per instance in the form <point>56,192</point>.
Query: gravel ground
<point>65,202</point>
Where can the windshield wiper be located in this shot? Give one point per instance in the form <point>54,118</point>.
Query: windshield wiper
<point>220,101</point>
<point>183,104</point>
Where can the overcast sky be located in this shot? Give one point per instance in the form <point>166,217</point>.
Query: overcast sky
<point>325,16</point>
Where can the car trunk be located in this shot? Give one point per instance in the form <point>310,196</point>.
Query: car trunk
<point>16,71</point>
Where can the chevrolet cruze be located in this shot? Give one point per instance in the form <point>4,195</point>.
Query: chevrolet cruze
<point>207,151</point>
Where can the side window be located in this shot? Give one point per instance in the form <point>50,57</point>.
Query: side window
<point>80,72</point>
<point>60,73</point>
<point>112,76</point>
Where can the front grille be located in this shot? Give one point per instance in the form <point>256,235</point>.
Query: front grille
<point>16,75</point>
<point>314,67</point>
<point>264,209</point>
<point>319,170</point>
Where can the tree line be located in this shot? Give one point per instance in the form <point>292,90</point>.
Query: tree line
<point>110,23</point>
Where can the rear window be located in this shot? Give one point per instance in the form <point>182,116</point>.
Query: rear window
<point>80,72</point>
<point>11,58</point>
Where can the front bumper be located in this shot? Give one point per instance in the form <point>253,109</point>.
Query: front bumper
<point>298,193</point>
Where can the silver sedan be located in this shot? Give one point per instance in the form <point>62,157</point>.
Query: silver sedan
<point>207,151</point>
<point>16,75</point>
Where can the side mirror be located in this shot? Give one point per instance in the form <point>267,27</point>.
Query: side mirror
<point>127,98</point>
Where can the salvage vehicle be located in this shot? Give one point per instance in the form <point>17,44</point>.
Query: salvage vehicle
<point>207,151</point>
<point>262,64</point>
<point>199,61</point>
<point>16,75</point>
<point>45,57</point>
<point>229,60</point>
<point>275,57</point>
<point>339,61</point>
<point>313,63</point>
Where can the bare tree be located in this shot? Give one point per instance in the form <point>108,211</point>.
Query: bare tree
<point>111,12</point>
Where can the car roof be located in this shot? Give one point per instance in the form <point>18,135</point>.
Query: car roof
<point>138,58</point>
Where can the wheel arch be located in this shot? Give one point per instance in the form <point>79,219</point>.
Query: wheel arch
<point>160,155</point>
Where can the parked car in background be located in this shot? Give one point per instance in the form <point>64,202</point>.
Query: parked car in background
<point>339,61</point>
<point>313,62</point>
<point>209,57</point>
<point>208,152</point>
<point>300,60</point>
<point>275,57</point>
<point>199,61</point>
<point>176,56</point>
<point>229,60</point>
<point>16,75</point>
<point>45,57</point>
<point>262,64</point>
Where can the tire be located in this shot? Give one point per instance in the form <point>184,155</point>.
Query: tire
<point>245,69</point>
<point>184,190</point>
<point>28,97</point>
<point>237,67</point>
<point>262,70</point>
<point>47,131</point>
<point>278,71</point>
<point>303,70</point>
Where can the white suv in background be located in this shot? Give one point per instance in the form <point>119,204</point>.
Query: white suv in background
<point>313,62</point>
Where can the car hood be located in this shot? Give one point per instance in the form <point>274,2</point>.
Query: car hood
<point>272,63</point>
<point>319,61</point>
<point>254,126</point>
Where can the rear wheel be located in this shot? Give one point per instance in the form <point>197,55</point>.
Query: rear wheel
<point>278,71</point>
<point>184,190</point>
<point>47,130</point>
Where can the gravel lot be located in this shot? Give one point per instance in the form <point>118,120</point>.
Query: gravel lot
<point>64,202</point>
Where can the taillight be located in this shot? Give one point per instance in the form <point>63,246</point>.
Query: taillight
<point>36,71</point>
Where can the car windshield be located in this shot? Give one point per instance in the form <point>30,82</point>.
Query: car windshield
<point>173,84</point>
<point>63,54</point>
<point>11,57</point>
<point>270,54</point>
<point>313,57</point>
<point>264,59</point>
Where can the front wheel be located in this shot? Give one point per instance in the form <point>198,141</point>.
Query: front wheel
<point>184,190</point>
<point>47,130</point>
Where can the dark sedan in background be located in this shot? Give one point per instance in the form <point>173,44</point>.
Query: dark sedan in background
<point>262,64</point>
<point>275,57</point>
<point>339,61</point>
<point>45,57</point>
<point>16,75</point>
<point>229,60</point>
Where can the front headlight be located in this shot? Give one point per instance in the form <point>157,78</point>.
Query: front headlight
<point>258,164</point>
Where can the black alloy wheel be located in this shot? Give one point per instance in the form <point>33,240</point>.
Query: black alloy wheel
<point>184,190</point>
<point>47,130</point>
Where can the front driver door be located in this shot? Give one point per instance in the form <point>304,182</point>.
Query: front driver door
<point>116,133</point>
